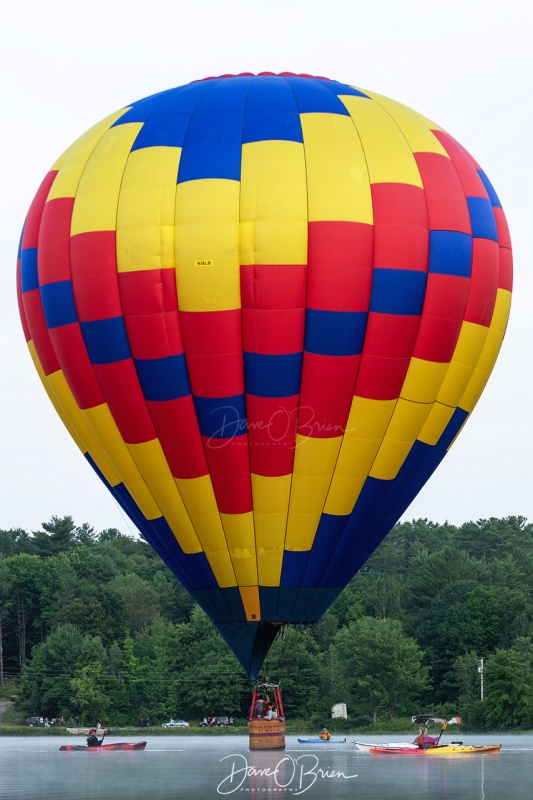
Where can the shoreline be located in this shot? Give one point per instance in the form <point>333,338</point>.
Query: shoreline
<point>295,729</point>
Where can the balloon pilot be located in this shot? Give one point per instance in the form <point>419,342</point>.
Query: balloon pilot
<point>262,707</point>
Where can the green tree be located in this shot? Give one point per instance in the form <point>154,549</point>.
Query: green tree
<point>455,591</point>
<point>464,690</point>
<point>208,678</point>
<point>140,600</point>
<point>430,573</point>
<point>509,686</point>
<point>57,536</point>
<point>175,602</point>
<point>493,611</point>
<point>157,648</point>
<point>6,603</point>
<point>465,616</point>
<point>14,542</point>
<point>467,678</point>
<point>110,535</point>
<point>92,566</point>
<point>406,540</point>
<point>122,675</point>
<point>380,667</point>
<point>215,684</point>
<point>382,595</point>
<point>489,539</point>
<point>323,633</point>
<point>85,534</point>
<point>31,584</point>
<point>45,685</point>
<point>60,534</point>
<point>293,658</point>
<point>348,605</point>
<point>89,616</point>
<point>88,692</point>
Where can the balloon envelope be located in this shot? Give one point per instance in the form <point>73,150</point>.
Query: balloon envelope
<point>264,306</point>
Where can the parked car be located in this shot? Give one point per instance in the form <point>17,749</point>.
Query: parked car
<point>426,719</point>
<point>35,722</point>
<point>210,722</point>
<point>175,723</point>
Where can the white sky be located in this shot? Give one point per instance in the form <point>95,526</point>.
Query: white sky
<point>466,64</point>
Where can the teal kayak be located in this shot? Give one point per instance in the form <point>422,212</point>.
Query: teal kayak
<point>322,741</point>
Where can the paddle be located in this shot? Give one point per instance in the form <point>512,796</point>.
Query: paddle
<point>444,726</point>
<point>103,735</point>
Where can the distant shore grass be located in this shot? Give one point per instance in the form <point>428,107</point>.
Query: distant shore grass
<point>293,727</point>
<point>12,723</point>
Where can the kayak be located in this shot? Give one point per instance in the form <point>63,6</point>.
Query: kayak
<point>398,751</point>
<point>366,747</point>
<point>111,746</point>
<point>322,741</point>
<point>462,749</point>
<point>440,750</point>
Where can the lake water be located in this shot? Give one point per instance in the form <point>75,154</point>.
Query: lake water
<point>210,768</point>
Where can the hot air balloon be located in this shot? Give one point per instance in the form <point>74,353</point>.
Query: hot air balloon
<point>264,307</point>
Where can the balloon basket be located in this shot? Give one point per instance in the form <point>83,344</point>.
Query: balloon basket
<point>267,734</point>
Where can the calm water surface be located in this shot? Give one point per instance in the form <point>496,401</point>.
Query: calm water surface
<point>208,768</point>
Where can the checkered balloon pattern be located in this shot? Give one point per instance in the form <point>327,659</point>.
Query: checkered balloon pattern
<point>264,307</point>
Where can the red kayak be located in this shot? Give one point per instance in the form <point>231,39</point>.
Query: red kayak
<point>114,746</point>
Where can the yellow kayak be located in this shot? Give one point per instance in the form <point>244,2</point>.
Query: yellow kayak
<point>461,749</point>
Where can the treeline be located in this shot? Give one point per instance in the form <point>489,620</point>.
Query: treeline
<point>93,626</point>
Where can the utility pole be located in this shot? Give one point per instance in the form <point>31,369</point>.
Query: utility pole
<point>480,670</point>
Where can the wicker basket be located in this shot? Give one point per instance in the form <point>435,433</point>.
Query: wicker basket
<point>267,734</point>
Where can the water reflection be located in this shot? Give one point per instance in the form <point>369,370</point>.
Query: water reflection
<point>208,768</point>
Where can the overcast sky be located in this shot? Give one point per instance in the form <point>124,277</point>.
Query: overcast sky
<point>465,64</point>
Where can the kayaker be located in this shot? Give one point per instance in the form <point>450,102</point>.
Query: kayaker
<point>93,740</point>
<point>423,740</point>
<point>324,734</point>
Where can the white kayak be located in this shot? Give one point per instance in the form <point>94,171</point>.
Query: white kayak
<point>365,747</point>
